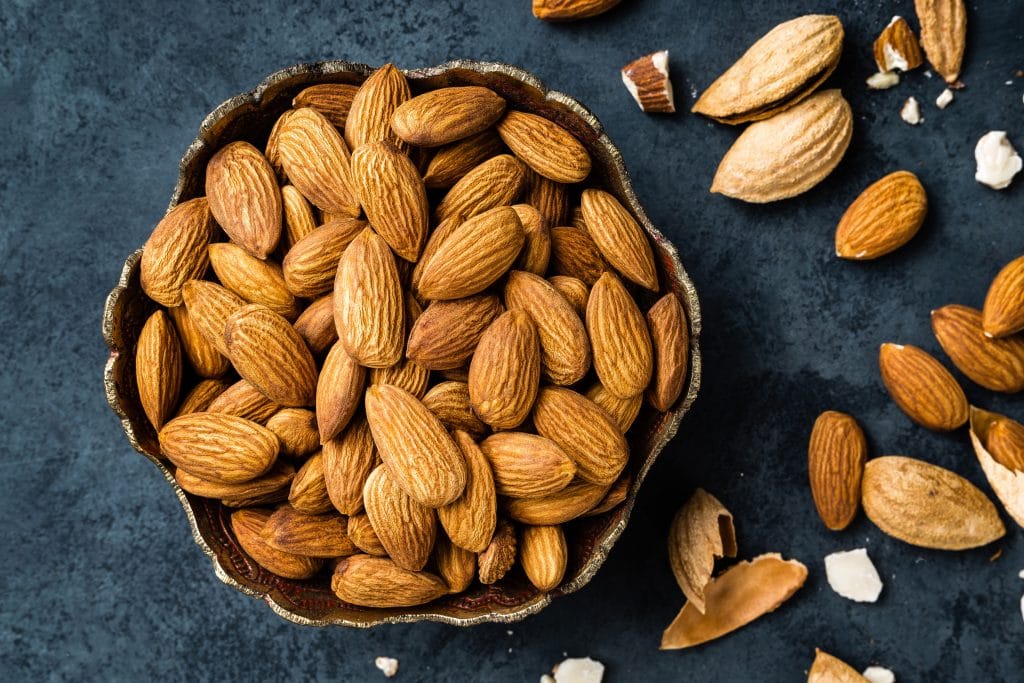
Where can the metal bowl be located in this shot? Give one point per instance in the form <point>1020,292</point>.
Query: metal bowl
<point>249,116</point>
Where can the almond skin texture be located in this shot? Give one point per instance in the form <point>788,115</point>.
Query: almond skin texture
<point>209,306</point>
<point>620,238</point>
<point>476,254</point>
<point>564,347</point>
<point>158,368</point>
<point>244,197</point>
<point>575,291</point>
<point>829,669</point>
<point>573,501</point>
<point>220,448</point>
<point>201,396</point>
<point>505,371</point>
<point>291,531</point>
<point>256,281</point>
<point>789,153</point>
<point>363,536</point>
<point>369,117</point>
<point>943,34</point>
<point>339,392</point>
<point>928,506</point>
<point>623,411</point>
<point>623,355</point>
<point>449,401</point>
<point>451,162</point>
<point>311,265</point>
<point>276,480</point>
<point>544,146</point>
<point>470,519</point>
<point>445,115</point>
<point>670,338</point>
<point>348,460</point>
<point>296,431</point>
<point>309,489</point>
<point>248,526</point>
<point>317,162</point>
<point>202,355</point>
<point>584,431</point>
<point>1003,459</point>
<point>527,465</point>
<point>378,582</point>
<point>267,351</point>
<point>1003,313</point>
<point>415,446</point>
<point>835,463</point>
<point>299,219</point>
<point>570,10</point>
<point>574,253</point>
<point>996,364</point>
<point>499,556</point>
<point>455,565</point>
<point>613,497</point>
<point>495,182</point>
<point>883,218</point>
<point>922,387</point>
<point>548,197</point>
<point>536,253</point>
<point>316,325</point>
<point>393,196</point>
<point>176,251</point>
<point>544,554</point>
<point>897,43</point>
<point>1006,442</point>
<point>436,238</point>
<point>272,151</point>
<point>368,307</point>
<point>333,100</point>
<point>405,528</point>
<point>447,332</point>
<point>242,399</point>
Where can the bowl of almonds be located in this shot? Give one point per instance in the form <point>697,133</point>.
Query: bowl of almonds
<point>405,344</point>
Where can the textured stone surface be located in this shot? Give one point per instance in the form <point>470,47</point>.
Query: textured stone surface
<point>100,578</point>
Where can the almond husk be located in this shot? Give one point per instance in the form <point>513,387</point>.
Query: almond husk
<point>1005,474</point>
<point>701,531</point>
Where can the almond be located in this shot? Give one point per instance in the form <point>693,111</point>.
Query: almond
<point>505,371</point>
<point>883,218</point>
<point>369,118</point>
<point>544,555</point>
<point>670,338</point>
<point>333,100</point>
<point>244,198</point>
<point>1005,440</point>
<point>348,460</point>
<point>570,10</point>
<point>176,251</point>
<point>527,465</point>
<point>575,291</point>
<point>406,375</point>
<point>256,281</point>
<point>202,355</point>
<point>272,150</point>
<point>339,392</point>
<point>393,196</point>
<point>378,582</point>
<point>299,219</point>
<point>613,497</point>
<point>499,556</point>
<point>405,528</point>
<point>1003,313</point>
<point>452,162</point>
<point>470,519</point>
<point>248,526</point>
<point>573,501</point>
<point>564,347</point>
<point>209,307</point>
<point>368,306</point>
<point>455,565</point>
<point>996,364</point>
<point>782,68</point>
<point>620,238</point>
<point>311,265</point>
<point>220,448</point>
<point>291,531</point>
<point>363,536</point>
<point>270,354</point>
<point>414,445</point>
<point>943,34</point>
<point>158,368</point>
<point>446,334</point>
<point>545,146</point>
<point>445,115</point>
<point>896,47</point>
<point>789,153</point>
<point>922,387</point>
<point>623,411</point>
<point>584,431</point>
<point>829,669</point>
<point>435,239</point>
<point>536,251</point>
<point>317,161</point>
<point>835,463</point>
<point>648,82</point>
<point>495,182</point>
<point>623,356</point>
<point>999,444</point>
<point>449,401</point>
<point>701,531</point>
<point>316,325</point>
<point>275,481</point>
<point>574,253</point>
<point>548,197</point>
<point>201,396</point>
<point>244,400</point>
<point>928,506</point>
<point>296,431</point>
<point>476,254</point>
<point>309,489</point>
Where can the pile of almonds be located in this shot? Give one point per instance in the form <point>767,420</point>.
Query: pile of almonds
<point>437,360</point>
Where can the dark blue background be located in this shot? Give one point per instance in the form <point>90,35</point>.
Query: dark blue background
<point>99,577</point>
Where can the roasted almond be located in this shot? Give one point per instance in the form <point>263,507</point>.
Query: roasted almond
<point>299,219</point>
<point>573,501</point>
<point>316,325</point>
<point>244,198</point>
<point>545,146</point>
<point>584,431</point>
<point>202,355</point>
<point>339,392</point>
<point>445,115</point>
<point>622,241</point>
<point>701,531</point>
<point>348,460</point>
<point>248,526</point>
<point>574,253</point>
<point>393,196</point>
<point>447,332</point>
<point>378,582</point>
<point>449,401</point>
<point>158,368</point>
<point>333,100</point>
<point>536,251</point>
<point>405,374</point>
<point>1005,440</point>
<point>275,481</point>
<point>299,533</point>
<point>311,265</point>
<point>575,291</point>
<point>176,251</point>
<point>548,197</point>
<point>255,280</point>
<point>405,528</point>
<point>455,565</point>
<point>450,163</point>
<point>544,554</point>
<point>996,364</point>
<point>835,464</point>
<point>1003,313</point>
<point>570,10</point>
<point>943,34</point>
<point>373,105</point>
<point>220,448</point>
<point>470,519</point>
<point>244,400</point>
<point>499,555</point>
<point>272,150</point>
<point>209,306</point>
<point>623,356</point>
<point>883,218</point>
<point>308,492</point>
<point>267,351</point>
<point>201,396</point>
<point>613,496</point>
<point>670,338</point>
<point>505,371</point>
<point>495,182</point>
<point>363,536</point>
<point>435,239</point>
<point>527,465</point>
<point>623,411</point>
<point>922,387</point>
<point>317,161</point>
<point>296,431</point>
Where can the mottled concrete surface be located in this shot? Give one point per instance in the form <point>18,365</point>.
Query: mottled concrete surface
<point>99,577</point>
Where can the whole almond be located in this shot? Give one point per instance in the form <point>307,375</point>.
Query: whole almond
<point>368,307</point>
<point>505,371</point>
<point>928,506</point>
<point>544,555</point>
<point>1006,443</point>
<point>415,446</point>
<point>267,351</point>
<point>442,116</point>
<point>564,347</point>
<point>296,430</point>
<point>451,162</point>
<point>574,253</point>
<point>996,364</point>
<point>622,241</point>
<point>393,196</point>
<point>548,197</point>
<point>789,153</point>
<point>575,500</point>
<point>883,218</point>
<point>575,291</point>
<point>202,355</point>
<point>209,306</point>
<point>455,565</point>
<point>158,368</point>
<point>446,334</point>
<point>333,100</point>
<point>405,528</point>
<point>943,34</point>
<point>378,582</point>
<point>275,481</point>
<point>835,464</point>
<point>299,533</point>
<point>623,411</point>
<point>176,251</point>
<point>536,251</point>
<point>495,182</point>
<point>449,401</point>
<point>317,161</point>
<point>348,460</point>
<point>256,281</point>
<point>570,10</point>
<point>435,239</point>
<point>220,448</point>
<point>363,536</point>
<point>584,431</point>
<point>244,400</point>
<point>1003,313</point>
<point>308,492</point>
<point>499,555</point>
<point>316,325</point>
<point>613,496</point>
<point>201,396</point>
<point>244,198</point>
<point>922,387</point>
<point>339,392</point>
<point>670,338</point>
<point>470,519</point>
<point>311,265</point>
<point>369,117</point>
<point>299,219</point>
<point>527,465</point>
<point>476,254</point>
<point>623,356</point>
<point>545,146</point>
<point>272,150</point>
<point>405,374</point>
<point>248,526</point>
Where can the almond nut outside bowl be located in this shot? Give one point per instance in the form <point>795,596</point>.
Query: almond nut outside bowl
<point>249,116</point>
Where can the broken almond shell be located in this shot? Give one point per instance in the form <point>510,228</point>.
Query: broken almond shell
<point>1006,480</point>
<point>829,669</point>
<point>701,531</point>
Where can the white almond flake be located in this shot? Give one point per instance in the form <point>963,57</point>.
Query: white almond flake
<point>546,679</point>
<point>879,674</point>
<point>911,112</point>
<point>928,74</point>
<point>1021,575</point>
<point>893,59</point>
<point>387,665</point>
<point>997,160</point>
<point>944,98</point>
<point>883,80</point>
<point>580,670</point>
<point>1009,83</point>
<point>853,576</point>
